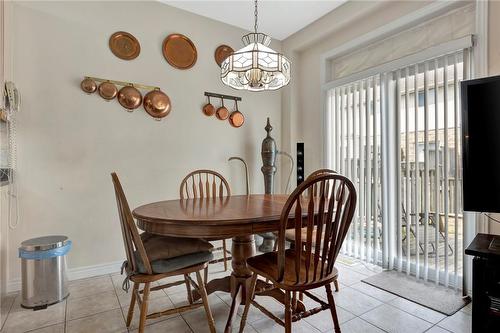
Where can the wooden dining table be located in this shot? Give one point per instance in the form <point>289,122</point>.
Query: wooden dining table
<point>238,217</point>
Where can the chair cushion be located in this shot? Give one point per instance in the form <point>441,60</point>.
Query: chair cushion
<point>266,265</point>
<point>164,247</point>
<point>172,264</point>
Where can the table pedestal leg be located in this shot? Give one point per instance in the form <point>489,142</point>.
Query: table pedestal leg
<point>243,248</point>
<point>239,281</point>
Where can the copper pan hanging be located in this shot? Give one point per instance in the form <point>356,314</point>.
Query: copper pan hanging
<point>208,109</point>
<point>107,90</point>
<point>88,85</point>
<point>222,112</point>
<point>179,51</point>
<point>157,104</point>
<point>236,118</point>
<point>129,97</point>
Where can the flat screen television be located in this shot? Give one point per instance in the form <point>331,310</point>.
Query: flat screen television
<point>481,144</point>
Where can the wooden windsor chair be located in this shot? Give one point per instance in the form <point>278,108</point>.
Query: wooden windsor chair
<point>328,216</point>
<point>151,258</point>
<point>204,184</point>
<point>290,234</point>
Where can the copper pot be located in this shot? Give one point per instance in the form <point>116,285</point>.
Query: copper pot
<point>236,118</point>
<point>129,97</point>
<point>107,90</point>
<point>208,109</point>
<point>157,104</point>
<point>222,112</point>
<point>88,85</point>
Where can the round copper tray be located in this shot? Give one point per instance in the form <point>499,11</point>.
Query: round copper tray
<point>221,53</point>
<point>124,45</point>
<point>179,51</point>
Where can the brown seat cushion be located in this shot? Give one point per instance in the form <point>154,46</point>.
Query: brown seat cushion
<point>165,247</point>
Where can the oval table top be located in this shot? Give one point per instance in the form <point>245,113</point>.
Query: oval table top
<point>213,217</point>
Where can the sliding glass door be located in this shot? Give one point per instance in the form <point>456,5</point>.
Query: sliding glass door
<point>396,134</point>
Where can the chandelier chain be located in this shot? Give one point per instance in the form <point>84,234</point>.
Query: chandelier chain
<point>256,13</point>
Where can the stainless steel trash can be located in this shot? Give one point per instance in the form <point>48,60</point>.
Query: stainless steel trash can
<point>43,266</point>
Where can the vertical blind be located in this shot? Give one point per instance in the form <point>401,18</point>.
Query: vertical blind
<point>355,116</point>
<point>429,218</point>
<point>423,236</point>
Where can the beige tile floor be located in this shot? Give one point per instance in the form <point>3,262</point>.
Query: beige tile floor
<point>99,305</point>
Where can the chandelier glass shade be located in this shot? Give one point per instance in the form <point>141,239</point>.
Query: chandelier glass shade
<point>256,66</point>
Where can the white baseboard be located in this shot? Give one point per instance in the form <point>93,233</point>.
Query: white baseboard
<point>76,274</point>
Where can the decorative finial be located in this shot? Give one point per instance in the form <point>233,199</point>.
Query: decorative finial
<point>268,127</point>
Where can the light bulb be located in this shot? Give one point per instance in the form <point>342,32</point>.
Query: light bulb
<point>254,77</point>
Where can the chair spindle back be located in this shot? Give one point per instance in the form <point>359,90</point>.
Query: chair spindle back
<point>318,172</point>
<point>327,215</point>
<point>204,184</point>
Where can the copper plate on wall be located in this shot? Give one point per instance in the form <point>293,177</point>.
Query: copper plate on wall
<point>124,45</point>
<point>221,53</point>
<point>179,51</point>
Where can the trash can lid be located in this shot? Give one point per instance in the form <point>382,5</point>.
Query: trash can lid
<point>44,243</point>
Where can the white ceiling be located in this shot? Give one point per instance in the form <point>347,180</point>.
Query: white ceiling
<point>277,18</point>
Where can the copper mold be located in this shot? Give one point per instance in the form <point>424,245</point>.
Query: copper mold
<point>221,53</point>
<point>179,51</point>
<point>157,104</point>
<point>107,90</point>
<point>129,97</point>
<point>88,85</point>
<point>124,45</point>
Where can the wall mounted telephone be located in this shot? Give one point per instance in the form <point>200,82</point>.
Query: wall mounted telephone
<point>12,102</point>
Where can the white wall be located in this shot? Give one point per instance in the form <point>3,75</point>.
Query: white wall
<point>69,142</point>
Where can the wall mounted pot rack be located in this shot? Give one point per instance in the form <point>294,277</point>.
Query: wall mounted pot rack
<point>123,83</point>
<point>221,96</point>
<point>155,102</point>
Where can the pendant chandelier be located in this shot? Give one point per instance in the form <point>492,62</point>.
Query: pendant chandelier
<point>256,67</point>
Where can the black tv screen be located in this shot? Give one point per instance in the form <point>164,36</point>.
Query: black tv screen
<point>481,144</point>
